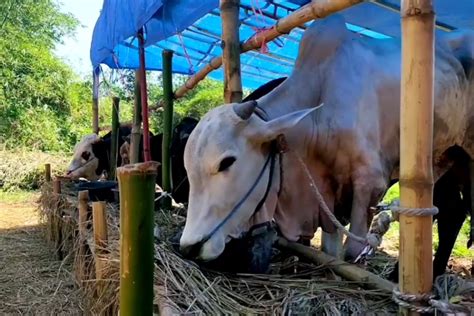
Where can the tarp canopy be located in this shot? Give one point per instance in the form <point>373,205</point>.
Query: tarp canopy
<point>192,29</point>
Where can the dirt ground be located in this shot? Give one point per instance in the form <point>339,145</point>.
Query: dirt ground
<point>32,281</point>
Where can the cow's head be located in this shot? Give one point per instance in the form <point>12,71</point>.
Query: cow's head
<point>224,155</point>
<point>84,163</point>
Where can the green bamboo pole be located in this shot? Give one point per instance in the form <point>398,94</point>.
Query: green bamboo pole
<point>137,121</point>
<point>137,192</point>
<point>167,124</point>
<point>114,138</point>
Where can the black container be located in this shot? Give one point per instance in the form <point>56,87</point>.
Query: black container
<point>99,190</point>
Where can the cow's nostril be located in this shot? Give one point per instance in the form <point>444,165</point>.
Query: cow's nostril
<point>191,251</point>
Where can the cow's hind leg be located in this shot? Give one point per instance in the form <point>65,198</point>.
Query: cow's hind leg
<point>332,244</point>
<point>450,221</point>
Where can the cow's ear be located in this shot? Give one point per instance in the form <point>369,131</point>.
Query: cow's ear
<point>270,130</point>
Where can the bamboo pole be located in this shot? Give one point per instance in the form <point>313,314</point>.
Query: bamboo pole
<point>114,137</point>
<point>137,122</point>
<point>47,172</point>
<point>99,224</point>
<point>95,100</point>
<point>57,186</point>
<point>416,145</point>
<point>144,96</point>
<point>167,125</point>
<point>137,192</point>
<point>231,50</point>
<point>83,198</point>
<point>347,271</point>
<point>316,9</point>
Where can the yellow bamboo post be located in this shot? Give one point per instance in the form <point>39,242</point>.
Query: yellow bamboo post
<point>416,145</point>
<point>56,219</point>
<point>231,50</point>
<point>83,198</point>
<point>99,223</point>
<point>316,9</point>
<point>47,172</point>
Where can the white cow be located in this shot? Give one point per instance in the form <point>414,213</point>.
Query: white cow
<point>350,144</point>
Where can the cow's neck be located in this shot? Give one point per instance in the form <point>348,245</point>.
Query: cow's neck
<point>284,99</point>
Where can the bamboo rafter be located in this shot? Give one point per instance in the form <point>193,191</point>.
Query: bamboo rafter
<point>317,9</point>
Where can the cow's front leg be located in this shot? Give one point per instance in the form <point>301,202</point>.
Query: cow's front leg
<point>368,189</point>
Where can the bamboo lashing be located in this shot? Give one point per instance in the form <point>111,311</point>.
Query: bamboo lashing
<point>316,9</point>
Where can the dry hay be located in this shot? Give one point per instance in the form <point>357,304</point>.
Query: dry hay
<point>182,287</point>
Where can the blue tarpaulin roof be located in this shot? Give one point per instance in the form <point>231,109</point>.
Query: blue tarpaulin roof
<point>192,29</point>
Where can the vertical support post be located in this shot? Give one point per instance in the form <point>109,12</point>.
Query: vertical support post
<point>99,224</point>
<point>95,100</point>
<point>231,50</point>
<point>57,186</point>
<point>114,137</point>
<point>137,192</point>
<point>416,145</point>
<point>137,122</point>
<point>47,172</point>
<point>167,124</point>
<point>83,198</point>
<point>144,96</point>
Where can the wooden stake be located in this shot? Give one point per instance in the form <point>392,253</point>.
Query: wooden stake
<point>416,145</point>
<point>137,192</point>
<point>231,50</point>
<point>57,186</point>
<point>47,172</point>
<point>81,271</point>
<point>316,9</point>
<point>95,100</point>
<point>144,96</point>
<point>114,137</point>
<point>137,122</point>
<point>99,223</point>
<point>346,270</point>
<point>167,125</point>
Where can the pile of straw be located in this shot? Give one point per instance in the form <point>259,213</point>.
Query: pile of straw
<point>183,287</point>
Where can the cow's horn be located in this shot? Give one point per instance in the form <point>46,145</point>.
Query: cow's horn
<point>245,110</point>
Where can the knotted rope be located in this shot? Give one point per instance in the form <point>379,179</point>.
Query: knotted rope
<point>448,289</point>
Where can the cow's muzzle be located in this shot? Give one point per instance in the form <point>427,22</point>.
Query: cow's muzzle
<point>191,251</point>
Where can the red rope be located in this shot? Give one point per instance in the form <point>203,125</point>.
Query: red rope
<point>258,13</point>
<point>191,67</point>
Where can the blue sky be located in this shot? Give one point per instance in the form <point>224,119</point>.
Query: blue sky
<point>75,50</point>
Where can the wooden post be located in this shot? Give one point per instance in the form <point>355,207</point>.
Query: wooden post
<point>137,122</point>
<point>57,186</point>
<point>47,172</point>
<point>231,50</point>
<point>144,97</point>
<point>95,100</point>
<point>81,270</point>
<point>99,223</point>
<point>114,137</point>
<point>137,193</point>
<point>315,9</point>
<point>167,124</point>
<point>416,145</point>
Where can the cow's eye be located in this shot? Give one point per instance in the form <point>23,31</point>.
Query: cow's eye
<point>85,155</point>
<point>226,163</point>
